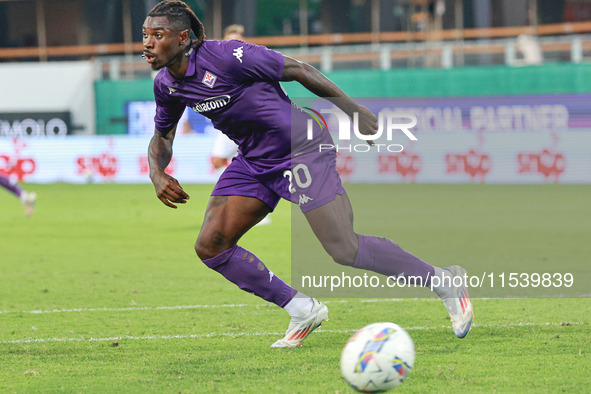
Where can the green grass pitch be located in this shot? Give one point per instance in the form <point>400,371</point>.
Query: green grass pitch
<point>101,291</point>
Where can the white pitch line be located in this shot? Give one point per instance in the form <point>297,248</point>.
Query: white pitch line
<point>173,307</point>
<point>248,334</point>
<point>132,308</point>
<point>397,299</point>
<point>217,306</point>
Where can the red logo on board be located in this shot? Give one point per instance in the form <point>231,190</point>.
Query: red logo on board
<point>408,165</point>
<point>16,166</point>
<point>105,165</point>
<point>548,163</point>
<point>345,165</point>
<point>474,163</point>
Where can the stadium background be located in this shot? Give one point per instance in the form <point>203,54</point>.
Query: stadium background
<point>86,79</point>
<point>86,271</point>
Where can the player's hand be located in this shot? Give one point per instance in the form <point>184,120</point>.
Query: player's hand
<point>368,123</point>
<point>169,191</point>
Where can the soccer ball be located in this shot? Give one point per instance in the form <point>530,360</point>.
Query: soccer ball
<point>377,358</point>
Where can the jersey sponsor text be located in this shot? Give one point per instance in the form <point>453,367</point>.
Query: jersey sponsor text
<point>211,103</point>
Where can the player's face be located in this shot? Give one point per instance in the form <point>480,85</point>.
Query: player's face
<point>162,43</point>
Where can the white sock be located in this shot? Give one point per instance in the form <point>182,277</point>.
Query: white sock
<point>299,306</point>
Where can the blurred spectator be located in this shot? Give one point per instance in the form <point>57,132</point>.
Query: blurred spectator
<point>530,49</point>
<point>234,32</point>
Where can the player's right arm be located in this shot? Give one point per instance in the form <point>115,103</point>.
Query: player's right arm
<point>168,113</point>
<point>167,188</point>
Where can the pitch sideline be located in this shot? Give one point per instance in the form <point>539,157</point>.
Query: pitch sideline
<point>247,334</point>
<point>214,306</point>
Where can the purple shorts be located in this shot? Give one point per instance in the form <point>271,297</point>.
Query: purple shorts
<point>309,180</point>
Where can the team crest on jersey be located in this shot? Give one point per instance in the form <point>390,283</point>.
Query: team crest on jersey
<point>171,90</point>
<point>209,79</point>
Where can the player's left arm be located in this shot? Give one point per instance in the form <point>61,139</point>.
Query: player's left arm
<point>320,85</point>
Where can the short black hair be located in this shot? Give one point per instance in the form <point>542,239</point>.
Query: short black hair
<point>180,16</point>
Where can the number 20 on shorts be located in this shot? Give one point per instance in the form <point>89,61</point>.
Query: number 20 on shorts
<point>300,175</point>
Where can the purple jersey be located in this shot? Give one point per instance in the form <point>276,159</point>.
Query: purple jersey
<point>236,85</point>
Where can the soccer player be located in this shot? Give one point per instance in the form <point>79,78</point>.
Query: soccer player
<point>27,198</point>
<point>236,85</point>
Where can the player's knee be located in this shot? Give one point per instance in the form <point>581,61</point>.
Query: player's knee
<point>343,250</point>
<point>343,257</point>
<point>211,245</point>
<point>204,250</point>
